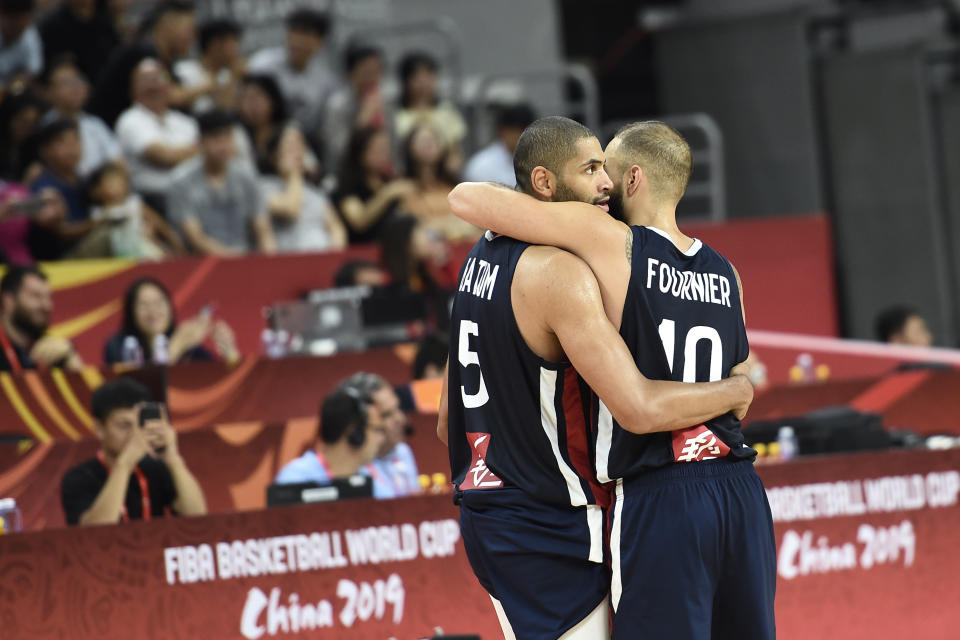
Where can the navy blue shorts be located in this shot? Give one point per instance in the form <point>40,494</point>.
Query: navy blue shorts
<point>693,554</point>
<point>535,559</point>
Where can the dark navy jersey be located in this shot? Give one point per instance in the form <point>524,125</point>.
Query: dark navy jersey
<point>682,321</point>
<point>507,422</point>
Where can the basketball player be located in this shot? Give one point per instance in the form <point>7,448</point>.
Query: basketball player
<point>530,512</point>
<point>692,546</point>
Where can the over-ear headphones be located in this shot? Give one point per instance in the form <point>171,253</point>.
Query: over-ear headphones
<point>357,435</point>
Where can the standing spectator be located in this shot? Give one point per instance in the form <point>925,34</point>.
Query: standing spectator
<point>215,198</point>
<point>358,105</point>
<point>425,156</point>
<point>903,325</point>
<point>218,71</point>
<point>421,104</point>
<point>138,473</point>
<point>303,218</point>
<point>494,163</point>
<point>148,313</point>
<point>21,50</point>
<point>135,230</point>
<point>19,114</point>
<point>25,308</point>
<point>395,464</point>
<point>83,30</point>
<point>302,67</point>
<point>367,195</point>
<point>154,137</point>
<point>263,114</point>
<point>170,35</point>
<point>67,92</point>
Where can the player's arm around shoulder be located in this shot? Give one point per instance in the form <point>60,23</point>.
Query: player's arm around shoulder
<point>566,296</point>
<point>578,227</point>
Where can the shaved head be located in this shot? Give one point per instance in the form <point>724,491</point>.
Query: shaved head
<point>662,154</point>
<point>549,143</point>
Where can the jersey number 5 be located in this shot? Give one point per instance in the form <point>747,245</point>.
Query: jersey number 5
<point>467,358</point>
<point>668,332</point>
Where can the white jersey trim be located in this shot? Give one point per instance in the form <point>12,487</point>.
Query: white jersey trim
<point>692,251</point>
<point>604,442</point>
<point>616,578</point>
<point>548,420</point>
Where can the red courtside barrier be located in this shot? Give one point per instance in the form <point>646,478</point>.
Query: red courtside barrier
<point>866,551</point>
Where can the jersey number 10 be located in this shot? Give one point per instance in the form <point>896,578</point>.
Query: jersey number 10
<point>668,332</point>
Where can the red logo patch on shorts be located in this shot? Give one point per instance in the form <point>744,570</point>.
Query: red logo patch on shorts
<point>479,475</point>
<point>697,444</point>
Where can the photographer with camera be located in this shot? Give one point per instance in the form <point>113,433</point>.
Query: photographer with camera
<point>138,473</point>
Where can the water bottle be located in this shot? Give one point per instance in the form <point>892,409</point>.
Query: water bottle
<point>132,353</point>
<point>9,516</point>
<point>161,349</point>
<point>787,439</point>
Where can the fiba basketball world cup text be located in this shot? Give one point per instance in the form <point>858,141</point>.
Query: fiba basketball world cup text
<point>269,611</point>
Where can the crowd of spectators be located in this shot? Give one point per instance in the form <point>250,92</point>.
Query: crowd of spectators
<point>166,138</point>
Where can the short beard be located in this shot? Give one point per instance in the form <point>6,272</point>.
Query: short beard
<point>24,323</point>
<point>616,206</point>
<point>564,194</point>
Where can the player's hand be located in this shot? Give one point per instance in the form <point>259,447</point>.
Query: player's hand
<point>746,388</point>
<point>161,438</point>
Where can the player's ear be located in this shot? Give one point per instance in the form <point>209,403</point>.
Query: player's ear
<point>543,182</point>
<point>632,181</point>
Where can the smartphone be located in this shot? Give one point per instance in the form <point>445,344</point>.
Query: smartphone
<point>150,411</point>
<point>208,309</point>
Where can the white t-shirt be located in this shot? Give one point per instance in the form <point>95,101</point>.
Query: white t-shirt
<point>138,128</point>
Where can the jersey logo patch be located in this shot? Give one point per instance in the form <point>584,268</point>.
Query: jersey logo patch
<point>479,476</point>
<point>697,444</point>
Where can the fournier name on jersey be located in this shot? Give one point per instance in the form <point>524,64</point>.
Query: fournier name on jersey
<point>688,285</point>
<point>479,278</point>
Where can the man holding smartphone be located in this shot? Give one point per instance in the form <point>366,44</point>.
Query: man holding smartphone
<point>138,473</point>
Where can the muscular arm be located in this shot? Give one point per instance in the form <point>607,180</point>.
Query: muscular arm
<point>566,294</point>
<point>580,228</point>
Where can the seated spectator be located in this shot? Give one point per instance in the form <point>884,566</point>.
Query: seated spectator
<point>148,314</point>
<point>25,308</point>
<point>216,75</point>
<point>416,257</point>
<point>76,235</point>
<point>420,104</point>
<point>395,464</point>
<point>431,359</point>
<point>303,219</point>
<point>302,67</point>
<point>360,273</point>
<point>17,205</point>
<point>21,50</point>
<point>263,114</point>
<point>135,230</point>
<point>367,195</point>
<point>494,163</point>
<point>903,325</point>
<point>59,147</point>
<point>19,115</point>
<point>83,30</point>
<point>138,472</point>
<point>351,434</point>
<point>215,198</point>
<point>425,157</point>
<point>67,91</point>
<point>154,137</point>
<point>359,104</point>
<point>170,32</point>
